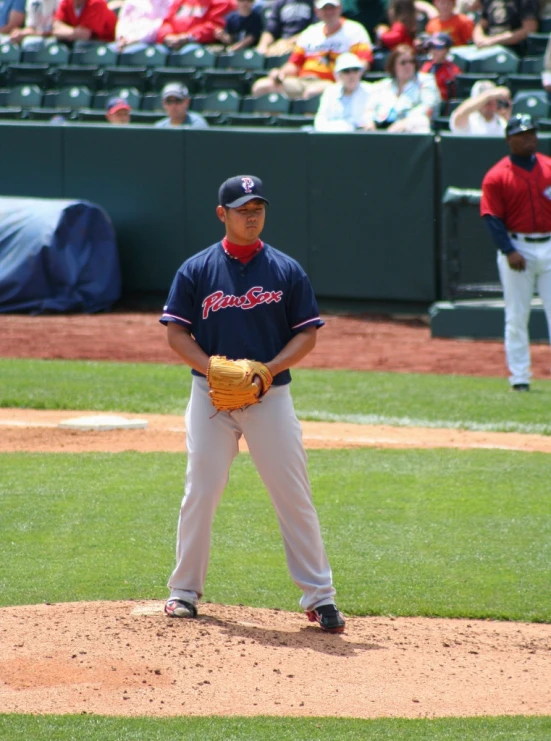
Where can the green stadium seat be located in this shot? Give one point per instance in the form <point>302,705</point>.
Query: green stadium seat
<point>226,79</point>
<point>536,44</point>
<point>132,95</point>
<point>51,54</point>
<point>217,105</point>
<point>531,65</point>
<point>305,105</point>
<point>10,113</point>
<point>68,75</point>
<point>465,81</point>
<point>269,103</point>
<point>99,55</point>
<point>9,53</point>
<point>118,77</point>
<point>293,120</point>
<point>187,76</point>
<point>27,74</point>
<point>151,56</point>
<point>146,117</point>
<point>151,102</point>
<point>71,98</point>
<point>246,59</point>
<point>197,58</point>
<point>534,103</point>
<point>276,61</point>
<point>523,82</point>
<point>248,119</point>
<point>503,62</point>
<point>24,96</point>
<point>91,115</point>
<point>46,114</point>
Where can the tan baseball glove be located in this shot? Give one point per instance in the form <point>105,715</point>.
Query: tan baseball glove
<point>231,382</point>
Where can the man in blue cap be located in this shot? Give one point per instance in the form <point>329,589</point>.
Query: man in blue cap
<point>516,207</point>
<point>246,301</point>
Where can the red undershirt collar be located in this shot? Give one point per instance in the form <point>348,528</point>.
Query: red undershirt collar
<point>242,252</point>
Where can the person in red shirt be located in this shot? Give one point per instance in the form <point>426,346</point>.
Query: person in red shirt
<point>194,22</point>
<point>516,207</point>
<point>458,26</point>
<point>443,69</point>
<point>403,18</point>
<point>84,20</point>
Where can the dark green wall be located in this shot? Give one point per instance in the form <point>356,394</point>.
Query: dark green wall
<point>360,212</point>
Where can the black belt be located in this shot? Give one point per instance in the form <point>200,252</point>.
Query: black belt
<point>527,238</point>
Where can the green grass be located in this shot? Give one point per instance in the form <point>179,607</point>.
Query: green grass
<point>94,728</point>
<point>443,533</point>
<point>348,396</point>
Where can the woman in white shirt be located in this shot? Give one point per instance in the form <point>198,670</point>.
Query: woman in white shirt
<point>406,100</point>
<point>342,105</point>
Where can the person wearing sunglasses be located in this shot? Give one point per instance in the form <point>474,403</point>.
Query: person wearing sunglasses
<point>405,101</point>
<point>342,104</point>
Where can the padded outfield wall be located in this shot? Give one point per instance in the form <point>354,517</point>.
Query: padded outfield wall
<point>360,212</point>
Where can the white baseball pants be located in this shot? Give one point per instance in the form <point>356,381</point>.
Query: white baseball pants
<point>518,289</point>
<point>274,438</point>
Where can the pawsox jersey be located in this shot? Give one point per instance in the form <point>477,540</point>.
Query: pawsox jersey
<point>242,311</point>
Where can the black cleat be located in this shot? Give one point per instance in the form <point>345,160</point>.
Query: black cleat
<point>180,609</point>
<point>520,387</point>
<point>328,618</point>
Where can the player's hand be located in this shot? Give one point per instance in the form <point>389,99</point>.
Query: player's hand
<point>516,261</point>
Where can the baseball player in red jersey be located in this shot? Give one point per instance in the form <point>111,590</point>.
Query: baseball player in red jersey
<point>516,206</point>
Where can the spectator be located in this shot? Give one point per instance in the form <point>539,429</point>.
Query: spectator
<point>485,112</point>
<point>506,22</point>
<point>458,26</point>
<point>342,105</point>
<point>12,16</point>
<point>39,16</point>
<point>286,20</point>
<point>193,22</point>
<point>443,69</point>
<point>402,15</point>
<point>84,20</point>
<point>118,111</point>
<point>406,100</point>
<point>139,22</point>
<point>546,73</point>
<point>310,67</point>
<point>176,103</point>
<point>243,27</point>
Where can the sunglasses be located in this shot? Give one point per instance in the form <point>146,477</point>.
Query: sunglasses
<point>406,61</point>
<point>348,70</point>
<point>174,100</point>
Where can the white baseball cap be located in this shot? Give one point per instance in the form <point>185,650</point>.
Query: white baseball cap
<point>322,3</point>
<point>348,61</point>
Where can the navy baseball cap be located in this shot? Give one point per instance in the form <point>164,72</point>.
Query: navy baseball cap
<point>439,41</point>
<point>520,122</point>
<point>241,189</point>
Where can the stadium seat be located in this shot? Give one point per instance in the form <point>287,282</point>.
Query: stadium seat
<point>269,103</point>
<point>544,124</point>
<point>46,114</point>
<point>534,103</point>
<point>503,62</point>
<point>305,105</point>
<point>71,97</point>
<point>246,59</point>
<point>152,56</point>
<point>151,102</point>
<point>440,123</point>
<point>186,75</point>
<point>217,105</point>
<point>536,43</point>
<point>460,61</point>
<point>373,76</point>
<point>24,96</point>
<point>248,119</point>
<point>146,117</point>
<point>277,61</point>
<point>465,81</point>
<point>10,112</point>
<point>293,120</point>
<point>67,75</point>
<point>379,60</point>
<point>129,94</point>
<point>27,74</point>
<point>91,115</point>
<point>523,82</point>
<point>52,54</point>
<point>531,65</point>
<point>9,54</point>
<point>226,79</point>
<point>545,25</point>
<point>98,55</point>
<point>117,77</point>
<point>197,58</point>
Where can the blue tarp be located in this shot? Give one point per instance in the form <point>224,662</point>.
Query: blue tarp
<point>56,256</point>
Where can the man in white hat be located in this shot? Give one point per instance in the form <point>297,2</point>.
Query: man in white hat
<point>176,100</point>
<point>342,105</point>
<point>485,112</point>
<point>309,69</point>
